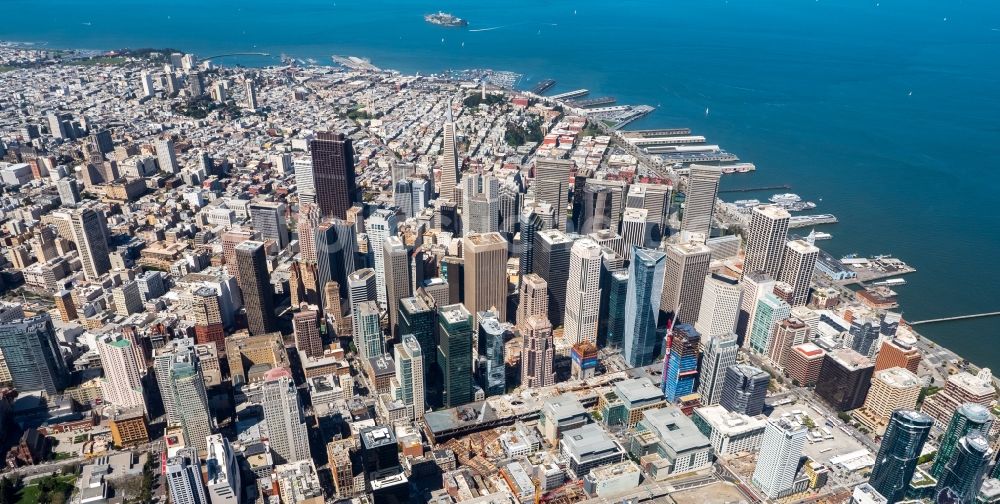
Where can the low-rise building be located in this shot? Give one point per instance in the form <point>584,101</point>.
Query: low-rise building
<point>613,480</point>
<point>588,447</point>
<point>729,432</point>
<point>298,482</point>
<point>560,414</point>
<point>668,442</point>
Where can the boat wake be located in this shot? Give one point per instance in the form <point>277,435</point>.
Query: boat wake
<point>487,29</point>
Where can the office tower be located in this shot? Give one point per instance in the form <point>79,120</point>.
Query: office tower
<point>128,299</point>
<point>304,182</point>
<point>222,472</point>
<point>959,389</point>
<point>892,389</point>
<point>269,219</point>
<point>368,330</point>
<point>183,474</point>
<point>685,270</point>
<point>32,354</point>
<point>680,366</point>
<point>397,279</point>
<point>147,84</point>
<point>617,301</point>
<point>485,273</point>
<point>379,227</point>
<point>305,325</point>
<point>864,335</point>
<point>379,451</point>
<point>451,164</point>
<point>336,249</point>
<point>634,231</point>
<point>803,364</point>
<point>530,224</point>
<point>720,354</point>
<point>490,370</point>
<point>655,199</point>
<point>642,305</point>
<point>699,201</point>
<point>898,453</point>
<point>769,313</point>
<point>333,173</point>
<point>251,90</point>
<point>150,284</point>
<point>89,229</point>
<point>69,191</point>
<point>766,239</point>
<point>533,298</point>
<point>778,459</point>
<point>64,303</point>
<point>166,156</point>
<point>410,375</point>
<point>720,306</point>
<point>537,353</point>
<point>583,292</point>
<point>968,418</point>
<point>788,333</point>
<point>480,204</point>
<point>966,469</point>
<point>889,325</point>
<point>286,424</point>
<point>361,287</point>
<point>755,286</point>
<point>122,383</point>
<point>603,202</point>
<point>305,228</point>
<point>230,239</point>
<point>185,397</point>
<point>844,379</point>
<point>418,319</point>
<point>551,262</point>
<point>552,186</point>
<point>57,127</point>
<point>455,354</point>
<point>797,269</point>
<point>254,280</point>
<point>511,199</point>
<point>744,389</point>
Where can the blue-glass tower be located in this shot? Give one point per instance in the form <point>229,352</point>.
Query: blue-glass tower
<point>642,305</point>
<point>680,365</point>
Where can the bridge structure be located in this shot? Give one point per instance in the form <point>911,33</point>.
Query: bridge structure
<point>957,317</point>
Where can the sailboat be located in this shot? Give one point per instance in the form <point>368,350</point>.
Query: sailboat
<point>706,111</point>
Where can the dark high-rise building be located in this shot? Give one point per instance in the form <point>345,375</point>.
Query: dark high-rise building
<point>844,379</point>
<point>252,275</point>
<point>551,262</point>
<point>336,248</point>
<point>897,455</point>
<point>968,418</point>
<point>965,470</point>
<point>617,292</point>
<point>32,354</point>
<point>744,389</point>
<point>379,451</point>
<point>530,223</point>
<point>453,270</point>
<point>333,172</point>
<point>455,354</point>
<point>642,306</point>
<point>418,318</point>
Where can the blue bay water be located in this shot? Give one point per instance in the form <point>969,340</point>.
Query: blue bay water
<point>887,110</point>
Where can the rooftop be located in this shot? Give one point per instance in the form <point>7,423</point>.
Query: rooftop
<point>729,422</point>
<point>638,390</point>
<point>674,429</point>
<point>898,377</point>
<point>850,359</point>
<point>588,440</point>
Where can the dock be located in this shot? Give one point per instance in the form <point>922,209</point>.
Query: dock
<point>656,132</point>
<point>355,63</point>
<point>756,189</point>
<point>543,86</point>
<point>593,102</point>
<point>800,221</point>
<point>666,140</point>
<point>571,94</point>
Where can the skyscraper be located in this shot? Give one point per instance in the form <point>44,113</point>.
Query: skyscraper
<point>305,325</point>
<point>451,166</point>
<point>844,379</point>
<point>778,459</point>
<point>410,375</point>
<point>537,353</point>
<point>286,425</point>
<point>486,273</point>
<point>268,218</point>
<point>397,279</point>
<point>166,156</point>
<point>336,248</point>
<point>892,389</point>
<point>147,84</point>
<point>788,333</point>
<point>251,90</point>
<point>417,318</point>
<point>207,312</point>
<point>530,223</point>
<point>183,474</point>
<point>305,184</point>
<point>480,204</point>
<point>455,354</point>
<point>617,287</point>
<point>769,313</point>
<point>360,288</point>
<point>898,453</point>
<point>188,400</point>
<point>490,370</point>
<point>333,173</point>
<point>755,286</point>
<point>222,472</point>
<point>744,389</point>
<point>720,354</point>
<point>583,292</point>
<point>766,240</point>
<point>88,229</point>
<point>963,475</point>
<point>533,298</point>
<point>32,354</point>
<point>680,365</point>
<point>309,220</point>
<point>379,227</point>
<point>642,305</point>
<point>254,280</point>
<point>69,191</point>
<point>864,333</point>
<point>122,385</point>
<point>685,270</point>
<point>368,330</point>
<point>634,232</point>
<point>551,262</point>
<point>720,306</point>
<point>699,202</point>
<point>797,269</point>
<point>968,418</point>
<point>552,186</point>
<point>602,205</point>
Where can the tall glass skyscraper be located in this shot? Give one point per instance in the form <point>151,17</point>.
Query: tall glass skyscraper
<point>898,453</point>
<point>491,371</point>
<point>965,470</point>
<point>455,354</point>
<point>968,418</point>
<point>617,292</point>
<point>642,305</point>
<point>680,366</point>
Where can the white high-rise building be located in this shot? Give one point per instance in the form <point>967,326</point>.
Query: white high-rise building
<point>361,287</point>
<point>381,225</point>
<point>147,84</point>
<point>684,282</point>
<point>583,292</point>
<point>778,459</point>
<point>720,354</point>
<point>755,286</point>
<point>122,383</point>
<point>222,472</point>
<point>552,186</point>
<point>251,89</point>
<point>397,281</point>
<point>88,229</point>
<point>699,202</point>
<point>286,425</point>
<point>766,240</point>
<point>304,181</point>
<point>451,167</point>
<point>128,298</point>
<point>720,307</point>
<point>480,204</point>
<point>797,269</point>
<point>183,474</point>
<point>410,375</point>
<point>368,330</point>
<point>633,230</point>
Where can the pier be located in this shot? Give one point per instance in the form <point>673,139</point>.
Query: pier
<point>593,102</point>
<point>543,86</point>
<point>658,132</point>
<point>755,189</point>
<point>570,94</point>
<point>957,317</point>
<point>227,55</point>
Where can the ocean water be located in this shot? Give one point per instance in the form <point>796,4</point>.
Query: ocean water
<point>884,112</point>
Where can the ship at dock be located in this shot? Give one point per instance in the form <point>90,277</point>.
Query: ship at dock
<point>445,19</point>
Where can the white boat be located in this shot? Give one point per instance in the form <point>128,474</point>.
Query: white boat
<point>785,198</point>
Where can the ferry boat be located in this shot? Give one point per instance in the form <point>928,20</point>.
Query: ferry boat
<point>785,198</point>
<point>738,168</point>
<point>445,19</point>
